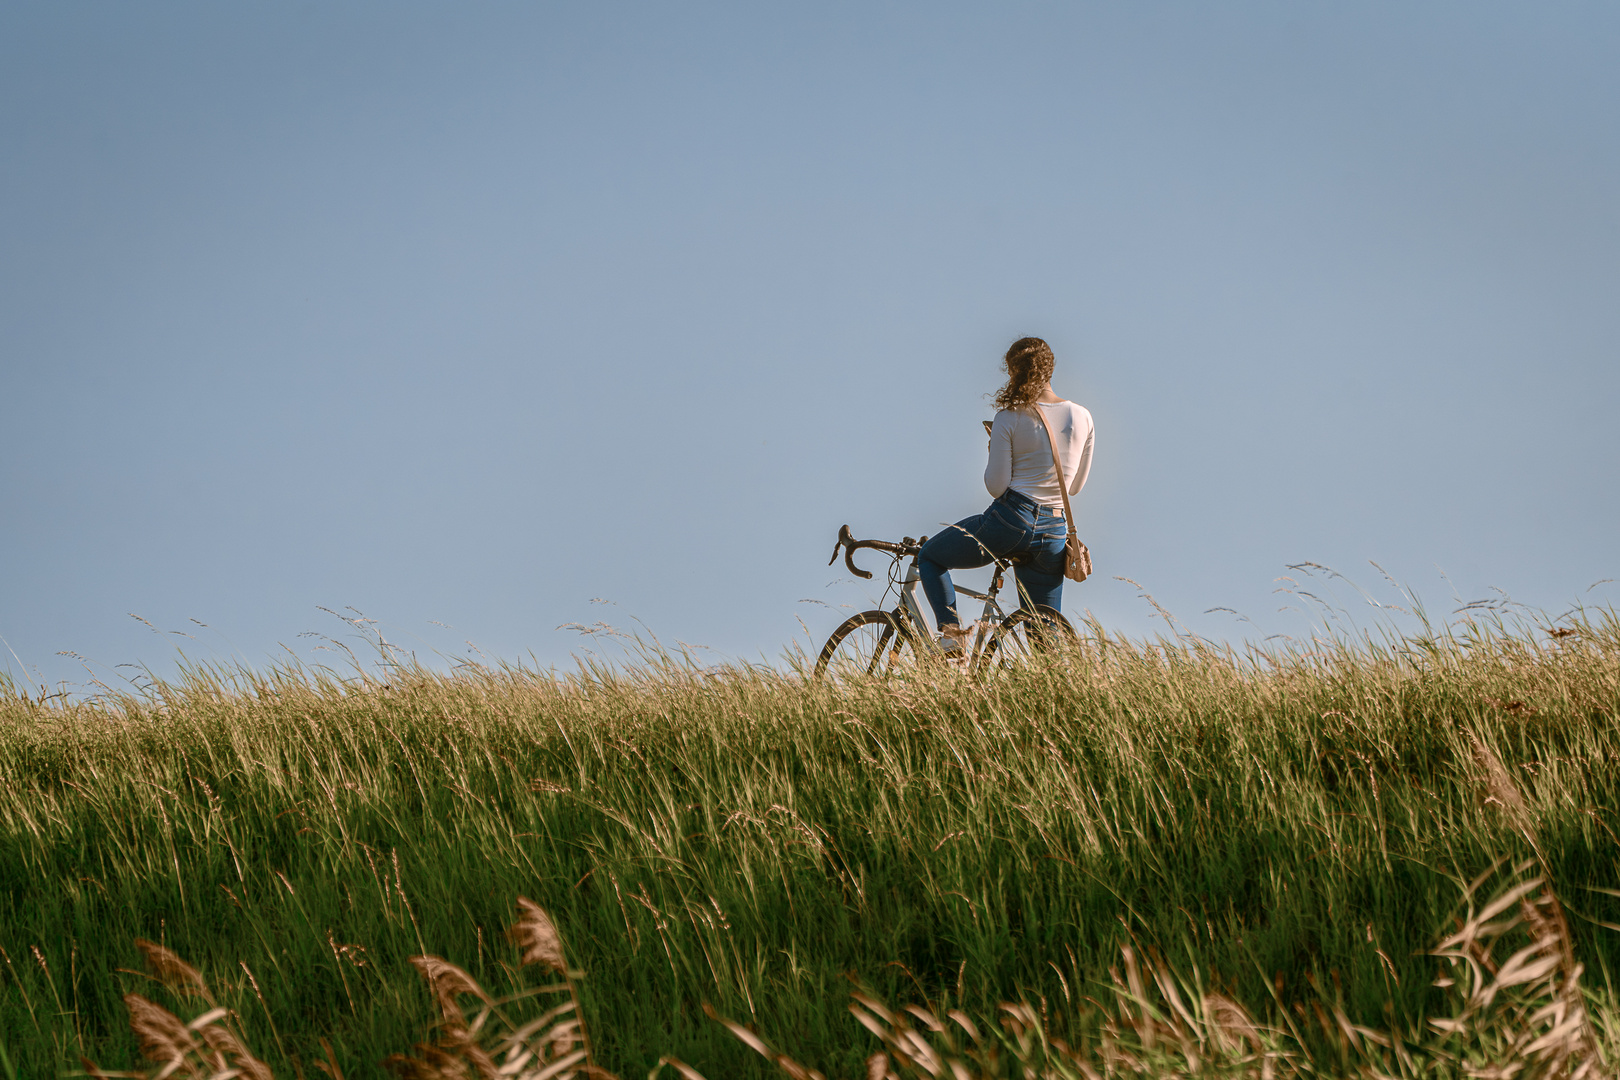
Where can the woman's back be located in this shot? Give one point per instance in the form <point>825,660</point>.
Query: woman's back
<point>1021,455</point>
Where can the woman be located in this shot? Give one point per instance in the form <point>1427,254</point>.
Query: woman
<point>1027,515</point>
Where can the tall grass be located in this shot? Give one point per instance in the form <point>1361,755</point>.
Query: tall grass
<point>1295,826</point>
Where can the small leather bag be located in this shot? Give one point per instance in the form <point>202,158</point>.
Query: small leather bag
<point>1077,557</point>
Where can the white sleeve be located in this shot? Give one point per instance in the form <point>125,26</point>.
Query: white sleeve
<point>1082,468</point>
<point>998,472</point>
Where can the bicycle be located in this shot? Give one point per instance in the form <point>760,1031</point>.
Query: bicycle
<point>879,642</point>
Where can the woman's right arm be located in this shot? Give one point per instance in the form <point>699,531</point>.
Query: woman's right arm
<point>1082,468</point>
<point>998,472</point>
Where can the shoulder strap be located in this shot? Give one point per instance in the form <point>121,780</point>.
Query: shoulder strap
<point>1057,463</point>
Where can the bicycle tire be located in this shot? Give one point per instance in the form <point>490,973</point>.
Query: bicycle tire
<point>1025,634</point>
<point>870,643</point>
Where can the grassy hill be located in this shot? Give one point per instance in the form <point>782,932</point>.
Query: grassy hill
<point>1289,831</point>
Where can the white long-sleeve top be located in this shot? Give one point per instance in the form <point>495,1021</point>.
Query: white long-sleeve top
<point>1021,456</point>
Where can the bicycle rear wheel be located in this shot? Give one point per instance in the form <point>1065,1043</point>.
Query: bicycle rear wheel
<point>871,643</point>
<point>1023,635</point>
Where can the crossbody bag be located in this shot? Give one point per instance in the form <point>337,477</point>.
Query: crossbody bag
<point>1076,556</point>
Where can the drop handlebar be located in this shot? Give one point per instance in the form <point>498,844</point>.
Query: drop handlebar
<point>849,545</point>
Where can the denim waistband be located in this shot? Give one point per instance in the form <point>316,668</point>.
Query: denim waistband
<point>1019,499</point>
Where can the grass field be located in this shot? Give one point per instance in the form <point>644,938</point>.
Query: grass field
<point>1292,829</point>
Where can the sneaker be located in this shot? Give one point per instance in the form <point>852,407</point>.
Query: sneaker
<point>950,643</point>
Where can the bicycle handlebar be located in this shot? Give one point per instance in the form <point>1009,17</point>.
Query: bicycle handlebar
<point>847,541</point>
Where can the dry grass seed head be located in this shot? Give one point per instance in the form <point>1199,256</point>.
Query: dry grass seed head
<point>1497,784</point>
<point>463,1046</point>
<point>170,970</point>
<point>537,936</point>
<point>448,982</point>
<point>1231,1021</point>
<point>221,1041</point>
<point>162,1036</point>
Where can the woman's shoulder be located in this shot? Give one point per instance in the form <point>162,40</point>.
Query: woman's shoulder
<point>1078,411</point>
<point>1078,416</point>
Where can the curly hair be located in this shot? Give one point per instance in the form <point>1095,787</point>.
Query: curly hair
<point>1028,365</point>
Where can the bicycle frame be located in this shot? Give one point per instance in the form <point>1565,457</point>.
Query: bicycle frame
<point>989,618</point>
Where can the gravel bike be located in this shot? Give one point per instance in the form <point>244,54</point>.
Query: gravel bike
<point>880,642</point>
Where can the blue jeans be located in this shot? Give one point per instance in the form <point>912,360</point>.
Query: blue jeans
<point>1013,523</point>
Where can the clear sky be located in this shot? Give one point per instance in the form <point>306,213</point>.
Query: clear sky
<point>468,315</point>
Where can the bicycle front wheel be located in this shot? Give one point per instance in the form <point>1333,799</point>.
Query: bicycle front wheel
<point>1026,634</point>
<point>871,643</point>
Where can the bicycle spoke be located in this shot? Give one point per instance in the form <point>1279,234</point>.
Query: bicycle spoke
<point>1023,636</point>
<point>868,644</point>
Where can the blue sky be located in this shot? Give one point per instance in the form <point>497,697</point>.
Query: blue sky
<point>468,316</point>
